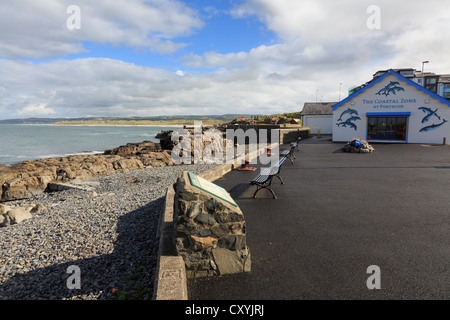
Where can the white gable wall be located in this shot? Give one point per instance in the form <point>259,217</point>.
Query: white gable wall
<point>434,128</point>
<point>324,122</point>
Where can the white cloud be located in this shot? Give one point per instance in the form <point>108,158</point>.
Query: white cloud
<point>107,87</point>
<point>321,44</point>
<point>409,29</point>
<point>38,29</point>
<point>35,110</point>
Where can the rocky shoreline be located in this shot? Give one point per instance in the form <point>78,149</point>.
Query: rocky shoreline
<point>28,178</point>
<point>107,229</point>
<point>103,220</point>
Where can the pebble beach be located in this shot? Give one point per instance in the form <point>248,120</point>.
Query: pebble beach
<point>107,229</point>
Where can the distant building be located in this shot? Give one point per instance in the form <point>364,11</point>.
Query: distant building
<point>318,115</point>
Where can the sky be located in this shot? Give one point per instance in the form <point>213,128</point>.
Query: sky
<point>84,58</point>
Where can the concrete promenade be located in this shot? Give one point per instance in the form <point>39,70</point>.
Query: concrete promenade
<point>337,214</point>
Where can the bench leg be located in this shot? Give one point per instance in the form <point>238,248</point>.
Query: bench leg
<point>257,189</point>
<point>267,188</point>
<point>280,179</point>
<point>273,193</point>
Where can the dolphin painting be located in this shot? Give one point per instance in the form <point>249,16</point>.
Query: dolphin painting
<point>354,118</point>
<point>433,126</point>
<point>396,89</point>
<point>390,88</point>
<point>347,123</point>
<point>348,111</point>
<point>430,114</point>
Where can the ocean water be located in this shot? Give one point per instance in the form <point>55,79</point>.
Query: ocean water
<point>29,142</point>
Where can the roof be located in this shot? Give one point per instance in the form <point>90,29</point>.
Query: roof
<point>400,77</point>
<point>318,108</point>
<point>406,72</point>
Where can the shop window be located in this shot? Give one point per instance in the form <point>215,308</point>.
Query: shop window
<point>387,128</point>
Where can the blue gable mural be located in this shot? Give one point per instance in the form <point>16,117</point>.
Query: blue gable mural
<point>431,114</point>
<point>392,87</point>
<point>351,117</point>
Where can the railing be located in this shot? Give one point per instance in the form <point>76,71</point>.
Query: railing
<point>316,129</point>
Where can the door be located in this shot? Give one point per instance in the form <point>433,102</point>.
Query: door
<point>389,128</point>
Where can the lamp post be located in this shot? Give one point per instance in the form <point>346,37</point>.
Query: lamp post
<point>423,63</point>
<point>340,84</point>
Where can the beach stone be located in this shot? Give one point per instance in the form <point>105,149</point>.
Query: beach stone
<point>4,220</point>
<point>38,208</point>
<point>4,208</point>
<point>16,215</point>
<point>210,233</point>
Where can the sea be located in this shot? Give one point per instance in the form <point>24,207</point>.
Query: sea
<point>20,142</point>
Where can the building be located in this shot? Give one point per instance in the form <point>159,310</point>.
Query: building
<point>393,108</point>
<point>318,115</point>
<point>436,83</point>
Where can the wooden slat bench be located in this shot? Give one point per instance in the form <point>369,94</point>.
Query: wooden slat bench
<point>264,179</point>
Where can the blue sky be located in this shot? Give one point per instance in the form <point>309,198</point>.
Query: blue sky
<point>171,57</point>
<point>220,33</point>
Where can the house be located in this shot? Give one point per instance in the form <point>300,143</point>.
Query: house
<point>318,115</point>
<point>392,108</point>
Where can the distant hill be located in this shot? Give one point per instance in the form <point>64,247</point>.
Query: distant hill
<point>31,121</point>
<point>131,120</point>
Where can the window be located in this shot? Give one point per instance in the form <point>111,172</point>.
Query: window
<point>432,88</point>
<point>407,73</point>
<point>387,128</point>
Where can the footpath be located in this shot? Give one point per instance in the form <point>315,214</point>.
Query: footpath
<point>337,214</point>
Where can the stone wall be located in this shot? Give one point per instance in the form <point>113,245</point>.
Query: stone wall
<point>291,135</point>
<point>209,233</point>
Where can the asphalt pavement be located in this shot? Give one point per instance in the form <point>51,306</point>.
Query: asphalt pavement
<point>337,214</point>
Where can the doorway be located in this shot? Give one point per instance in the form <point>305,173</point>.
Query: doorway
<point>392,128</point>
